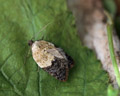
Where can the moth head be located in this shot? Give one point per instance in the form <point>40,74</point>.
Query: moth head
<point>30,42</point>
<point>35,45</point>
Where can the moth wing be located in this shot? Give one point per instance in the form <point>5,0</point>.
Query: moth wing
<point>57,52</point>
<point>61,65</point>
<point>67,57</point>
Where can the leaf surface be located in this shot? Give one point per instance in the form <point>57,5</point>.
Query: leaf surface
<point>23,20</point>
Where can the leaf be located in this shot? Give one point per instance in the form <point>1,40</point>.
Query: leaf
<point>22,20</point>
<point>112,91</point>
<point>110,6</point>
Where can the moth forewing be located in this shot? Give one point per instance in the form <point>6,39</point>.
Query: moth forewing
<point>51,59</point>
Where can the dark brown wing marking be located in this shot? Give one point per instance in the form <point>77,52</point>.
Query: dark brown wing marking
<point>59,69</point>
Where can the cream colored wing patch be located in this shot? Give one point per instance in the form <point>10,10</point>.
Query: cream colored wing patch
<point>57,52</point>
<point>40,55</point>
<point>54,52</point>
<point>45,52</point>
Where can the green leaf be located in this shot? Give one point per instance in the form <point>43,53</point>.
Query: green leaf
<point>110,6</point>
<point>112,91</point>
<point>22,20</point>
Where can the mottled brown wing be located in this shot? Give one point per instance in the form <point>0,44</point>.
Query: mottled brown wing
<point>58,69</point>
<point>60,66</point>
<point>59,53</point>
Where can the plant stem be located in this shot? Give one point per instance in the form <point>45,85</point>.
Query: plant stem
<point>112,54</point>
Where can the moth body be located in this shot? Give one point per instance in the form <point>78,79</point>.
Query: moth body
<point>51,59</point>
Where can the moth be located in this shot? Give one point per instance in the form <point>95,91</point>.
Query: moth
<point>51,59</point>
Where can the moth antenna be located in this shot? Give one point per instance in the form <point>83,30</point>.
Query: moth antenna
<point>30,42</point>
<point>43,29</point>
